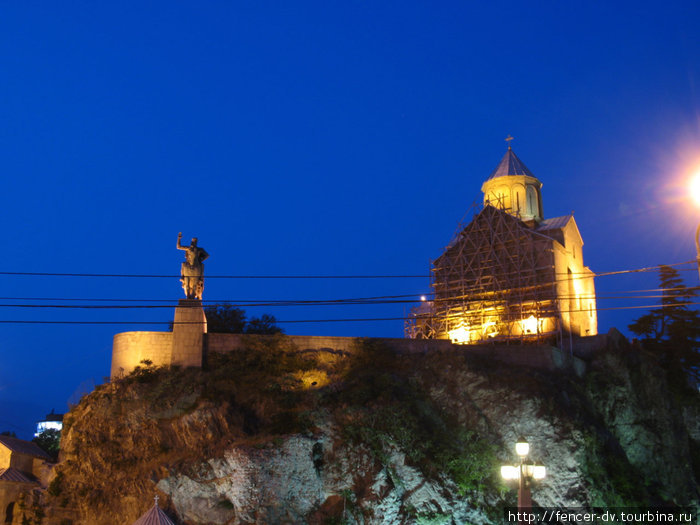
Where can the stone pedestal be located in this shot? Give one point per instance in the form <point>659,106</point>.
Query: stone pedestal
<point>188,333</point>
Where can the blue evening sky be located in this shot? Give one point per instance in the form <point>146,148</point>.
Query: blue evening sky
<point>319,138</point>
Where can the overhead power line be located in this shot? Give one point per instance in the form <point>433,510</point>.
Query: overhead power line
<point>351,300</point>
<point>296,303</point>
<point>470,293</point>
<point>369,276</point>
<point>171,276</point>
<point>294,321</point>
<point>212,302</point>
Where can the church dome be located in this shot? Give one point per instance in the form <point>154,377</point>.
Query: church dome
<point>513,188</point>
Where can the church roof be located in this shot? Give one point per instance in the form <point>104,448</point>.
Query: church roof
<point>154,516</point>
<point>12,474</point>
<point>24,447</point>
<point>555,223</point>
<point>510,165</point>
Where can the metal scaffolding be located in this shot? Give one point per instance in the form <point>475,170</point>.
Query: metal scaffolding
<point>495,281</point>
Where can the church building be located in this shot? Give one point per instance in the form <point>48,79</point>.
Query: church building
<point>510,274</point>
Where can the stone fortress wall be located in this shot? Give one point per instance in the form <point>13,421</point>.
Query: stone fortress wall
<point>130,348</point>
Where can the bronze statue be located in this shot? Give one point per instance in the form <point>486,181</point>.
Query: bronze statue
<point>192,270</point>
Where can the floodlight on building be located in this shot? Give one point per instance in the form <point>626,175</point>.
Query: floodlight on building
<point>489,328</point>
<point>529,325</point>
<point>422,298</point>
<point>460,335</point>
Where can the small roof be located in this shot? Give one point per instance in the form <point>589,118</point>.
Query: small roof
<point>510,165</point>
<point>154,516</point>
<point>555,223</point>
<point>24,447</point>
<point>12,474</point>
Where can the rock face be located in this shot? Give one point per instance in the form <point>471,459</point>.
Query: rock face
<point>272,435</point>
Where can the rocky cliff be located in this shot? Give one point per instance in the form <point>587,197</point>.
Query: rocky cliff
<point>275,435</point>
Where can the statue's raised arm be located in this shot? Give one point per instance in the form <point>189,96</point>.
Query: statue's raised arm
<point>179,242</point>
<point>192,270</point>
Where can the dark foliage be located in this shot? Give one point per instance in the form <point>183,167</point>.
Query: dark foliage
<point>225,318</point>
<point>672,332</point>
<point>264,325</point>
<point>49,441</point>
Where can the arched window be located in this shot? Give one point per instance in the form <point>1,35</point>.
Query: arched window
<point>532,206</point>
<point>518,199</point>
<point>9,512</point>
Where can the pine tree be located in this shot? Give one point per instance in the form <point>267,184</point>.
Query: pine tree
<point>672,332</point>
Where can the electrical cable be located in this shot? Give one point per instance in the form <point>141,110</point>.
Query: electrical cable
<point>376,276</point>
<point>170,276</point>
<point>292,321</point>
<point>479,295</point>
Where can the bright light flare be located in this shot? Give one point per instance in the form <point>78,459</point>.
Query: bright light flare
<point>695,188</point>
<point>489,328</point>
<point>539,472</point>
<point>522,447</point>
<point>529,325</point>
<point>460,335</point>
<point>510,472</point>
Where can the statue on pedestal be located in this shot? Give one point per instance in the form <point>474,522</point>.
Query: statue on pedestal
<point>192,270</point>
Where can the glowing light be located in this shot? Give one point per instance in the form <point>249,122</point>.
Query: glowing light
<point>48,425</point>
<point>489,328</point>
<point>312,379</point>
<point>529,325</point>
<point>539,472</point>
<point>422,297</point>
<point>460,335</point>
<point>522,447</point>
<point>510,472</point>
<point>695,188</point>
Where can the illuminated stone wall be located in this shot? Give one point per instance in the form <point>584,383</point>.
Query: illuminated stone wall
<point>575,285</point>
<point>5,455</point>
<point>223,343</point>
<point>130,348</point>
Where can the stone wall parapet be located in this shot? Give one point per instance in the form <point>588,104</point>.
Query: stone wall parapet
<point>130,348</point>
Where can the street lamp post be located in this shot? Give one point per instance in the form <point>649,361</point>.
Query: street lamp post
<point>525,472</point>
